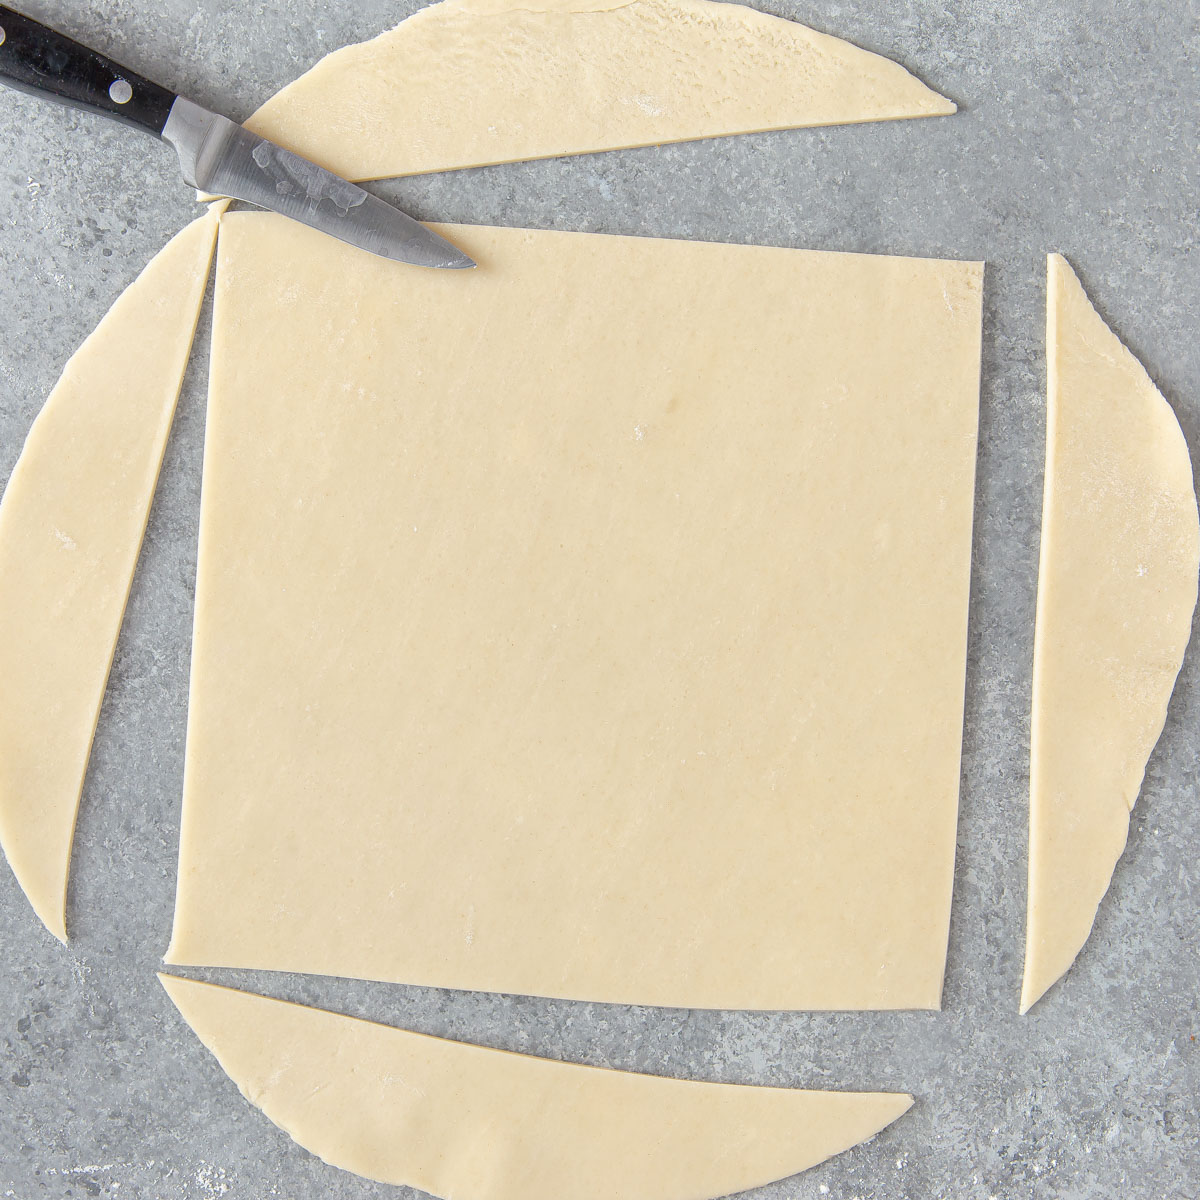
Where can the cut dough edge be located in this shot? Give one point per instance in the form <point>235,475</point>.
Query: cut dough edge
<point>71,526</point>
<point>542,78</point>
<point>1117,584</point>
<point>474,1123</point>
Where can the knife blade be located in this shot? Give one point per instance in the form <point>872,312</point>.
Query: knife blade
<point>216,154</point>
<point>223,158</point>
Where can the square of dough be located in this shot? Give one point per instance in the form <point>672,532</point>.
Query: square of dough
<point>590,625</point>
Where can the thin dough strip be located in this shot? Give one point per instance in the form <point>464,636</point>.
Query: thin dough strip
<point>71,526</point>
<point>1116,592</point>
<point>473,82</point>
<point>481,1124</point>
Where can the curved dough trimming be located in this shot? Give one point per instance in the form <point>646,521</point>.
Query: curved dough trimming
<point>71,524</point>
<point>1116,591</point>
<point>473,82</point>
<point>474,1123</point>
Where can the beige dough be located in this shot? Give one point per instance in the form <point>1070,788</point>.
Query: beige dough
<point>470,82</point>
<point>71,524</point>
<point>480,1124</point>
<point>592,625</point>
<point>1116,592</point>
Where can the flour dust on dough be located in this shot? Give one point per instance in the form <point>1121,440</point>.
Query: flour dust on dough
<point>479,1124</point>
<point>471,82</point>
<point>590,625</point>
<point>71,525</point>
<point>1116,592</point>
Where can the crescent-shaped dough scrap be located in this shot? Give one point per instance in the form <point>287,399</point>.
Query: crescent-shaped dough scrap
<point>71,525</point>
<point>481,1124</point>
<point>1116,591</point>
<point>471,82</point>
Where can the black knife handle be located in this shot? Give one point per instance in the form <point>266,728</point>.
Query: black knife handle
<point>44,63</point>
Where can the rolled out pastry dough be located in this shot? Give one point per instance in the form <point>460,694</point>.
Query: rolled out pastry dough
<point>480,1124</point>
<point>1116,591</point>
<point>470,82</point>
<point>593,625</point>
<point>71,525</point>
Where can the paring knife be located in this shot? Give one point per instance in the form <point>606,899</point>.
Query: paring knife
<point>217,155</point>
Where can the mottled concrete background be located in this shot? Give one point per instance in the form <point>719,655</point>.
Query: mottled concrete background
<point>1079,133</point>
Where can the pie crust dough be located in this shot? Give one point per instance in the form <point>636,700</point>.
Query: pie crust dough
<point>1116,592</point>
<point>592,625</point>
<point>471,82</point>
<point>481,1124</point>
<point>71,525</point>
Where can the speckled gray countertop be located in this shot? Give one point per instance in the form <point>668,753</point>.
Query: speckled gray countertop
<point>1079,132</point>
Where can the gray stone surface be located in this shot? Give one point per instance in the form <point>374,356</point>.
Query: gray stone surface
<point>1079,132</point>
